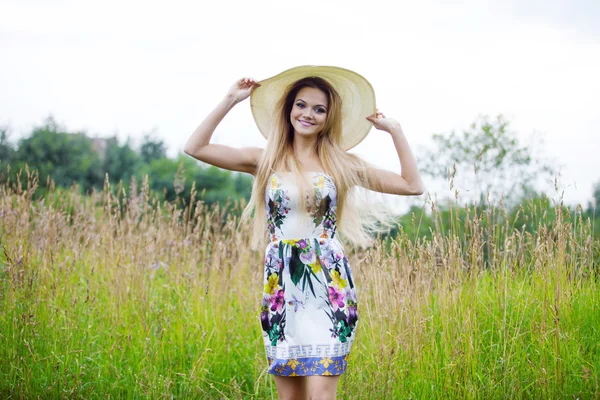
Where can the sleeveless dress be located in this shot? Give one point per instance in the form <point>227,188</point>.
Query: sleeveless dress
<point>309,307</point>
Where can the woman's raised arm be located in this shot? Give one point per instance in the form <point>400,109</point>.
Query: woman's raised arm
<point>243,159</point>
<point>408,182</point>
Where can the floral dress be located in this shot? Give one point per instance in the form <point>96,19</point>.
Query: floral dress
<point>309,308</point>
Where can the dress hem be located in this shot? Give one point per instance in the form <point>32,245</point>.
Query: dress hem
<point>308,366</point>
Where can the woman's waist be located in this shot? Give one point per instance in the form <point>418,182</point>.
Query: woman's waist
<point>308,247</point>
<point>286,239</point>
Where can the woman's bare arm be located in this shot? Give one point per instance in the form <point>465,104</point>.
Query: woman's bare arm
<point>408,182</point>
<point>243,159</point>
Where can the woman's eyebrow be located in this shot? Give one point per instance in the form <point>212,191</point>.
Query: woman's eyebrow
<point>317,105</point>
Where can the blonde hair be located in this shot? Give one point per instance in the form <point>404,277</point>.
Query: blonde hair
<point>355,224</point>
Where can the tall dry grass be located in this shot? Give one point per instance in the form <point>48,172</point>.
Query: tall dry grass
<point>118,295</point>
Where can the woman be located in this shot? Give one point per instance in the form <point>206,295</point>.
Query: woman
<point>303,189</point>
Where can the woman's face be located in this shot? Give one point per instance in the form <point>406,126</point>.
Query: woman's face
<point>309,112</point>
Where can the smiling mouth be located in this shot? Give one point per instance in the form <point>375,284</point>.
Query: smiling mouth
<point>305,123</point>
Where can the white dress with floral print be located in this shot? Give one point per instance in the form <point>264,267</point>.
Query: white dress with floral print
<point>309,308</point>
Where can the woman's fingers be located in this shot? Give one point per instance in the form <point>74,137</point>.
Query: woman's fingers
<point>378,115</point>
<point>248,83</point>
<point>242,88</point>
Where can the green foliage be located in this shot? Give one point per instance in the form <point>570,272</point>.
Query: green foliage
<point>65,157</point>
<point>74,158</point>
<point>487,159</point>
<point>592,209</point>
<point>152,149</point>
<point>173,178</point>
<point>6,149</point>
<point>532,216</point>
<point>415,224</point>
<point>68,158</point>
<point>6,152</point>
<point>99,303</point>
<point>120,162</point>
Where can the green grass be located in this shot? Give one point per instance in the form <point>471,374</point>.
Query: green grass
<point>152,303</point>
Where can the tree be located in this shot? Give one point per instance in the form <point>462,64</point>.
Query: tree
<point>65,157</point>
<point>152,149</point>
<point>596,197</point>
<point>6,151</point>
<point>592,209</point>
<point>242,184</point>
<point>175,177</point>
<point>120,162</point>
<point>486,159</point>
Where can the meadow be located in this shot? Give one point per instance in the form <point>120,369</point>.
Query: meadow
<point>117,295</point>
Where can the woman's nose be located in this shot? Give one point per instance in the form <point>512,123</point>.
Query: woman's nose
<point>307,113</point>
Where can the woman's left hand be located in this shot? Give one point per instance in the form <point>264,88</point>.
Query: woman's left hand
<point>382,123</point>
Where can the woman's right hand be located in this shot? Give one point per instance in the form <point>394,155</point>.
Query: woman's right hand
<point>242,89</point>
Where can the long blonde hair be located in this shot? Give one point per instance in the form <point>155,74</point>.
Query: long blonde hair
<point>355,224</point>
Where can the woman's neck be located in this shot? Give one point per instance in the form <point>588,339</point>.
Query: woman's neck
<point>304,148</point>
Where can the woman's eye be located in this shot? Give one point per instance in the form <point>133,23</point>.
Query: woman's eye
<point>300,105</point>
<point>321,110</point>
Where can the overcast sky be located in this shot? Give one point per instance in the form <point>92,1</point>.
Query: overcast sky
<point>131,67</point>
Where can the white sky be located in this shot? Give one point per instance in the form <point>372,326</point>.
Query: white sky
<point>131,67</point>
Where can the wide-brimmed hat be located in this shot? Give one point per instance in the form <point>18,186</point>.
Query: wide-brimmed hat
<point>357,94</point>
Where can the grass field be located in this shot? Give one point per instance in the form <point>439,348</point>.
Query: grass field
<point>108,297</point>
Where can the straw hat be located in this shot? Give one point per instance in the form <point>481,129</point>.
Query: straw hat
<point>357,94</point>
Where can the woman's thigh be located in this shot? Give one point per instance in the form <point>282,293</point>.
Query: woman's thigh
<point>291,387</point>
<point>322,387</point>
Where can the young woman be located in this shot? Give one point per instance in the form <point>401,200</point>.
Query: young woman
<point>304,194</point>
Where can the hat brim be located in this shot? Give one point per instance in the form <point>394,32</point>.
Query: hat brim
<point>357,94</point>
